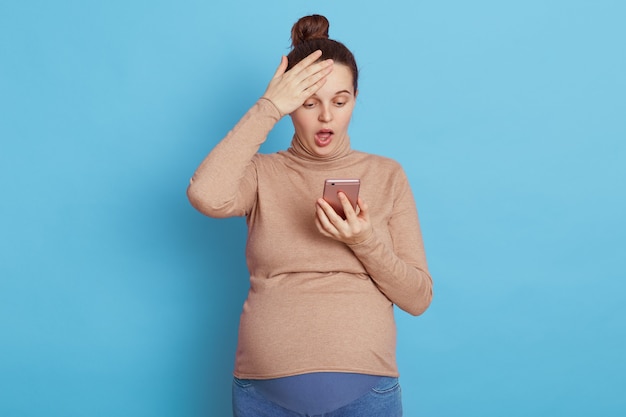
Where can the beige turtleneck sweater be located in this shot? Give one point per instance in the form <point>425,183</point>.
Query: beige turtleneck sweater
<point>314,304</point>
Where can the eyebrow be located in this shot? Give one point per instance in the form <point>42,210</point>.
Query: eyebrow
<point>337,93</point>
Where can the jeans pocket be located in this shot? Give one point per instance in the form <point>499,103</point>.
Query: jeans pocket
<point>386,385</point>
<point>242,383</point>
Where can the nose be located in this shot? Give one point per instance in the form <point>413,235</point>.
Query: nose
<point>325,114</point>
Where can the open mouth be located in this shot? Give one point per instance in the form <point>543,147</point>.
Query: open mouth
<point>323,137</point>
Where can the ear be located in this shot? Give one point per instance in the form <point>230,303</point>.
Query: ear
<point>356,93</point>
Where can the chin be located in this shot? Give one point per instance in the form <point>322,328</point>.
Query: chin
<point>325,151</point>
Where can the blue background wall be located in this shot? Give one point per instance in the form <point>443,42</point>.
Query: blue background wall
<point>117,298</point>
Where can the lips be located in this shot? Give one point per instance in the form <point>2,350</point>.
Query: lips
<point>324,137</point>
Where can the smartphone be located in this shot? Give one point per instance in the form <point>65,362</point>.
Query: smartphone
<point>350,187</point>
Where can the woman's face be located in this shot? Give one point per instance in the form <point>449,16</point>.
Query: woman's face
<point>322,121</point>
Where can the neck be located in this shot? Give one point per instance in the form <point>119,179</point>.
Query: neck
<point>300,150</point>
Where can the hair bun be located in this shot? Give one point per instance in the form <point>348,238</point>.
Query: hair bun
<point>309,27</point>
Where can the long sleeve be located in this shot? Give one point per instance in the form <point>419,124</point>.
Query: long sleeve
<point>399,269</point>
<point>314,304</point>
<point>224,184</point>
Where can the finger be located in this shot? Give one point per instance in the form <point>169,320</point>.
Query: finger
<point>364,210</point>
<point>329,211</point>
<point>316,71</point>
<point>324,210</point>
<point>321,220</point>
<point>330,220</point>
<point>281,67</point>
<point>347,206</point>
<point>312,84</point>
<point>308,72</point>
<point>306,62</point>
<point>320,228</point>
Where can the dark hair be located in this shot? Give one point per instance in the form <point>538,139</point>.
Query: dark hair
<point>309,34</point>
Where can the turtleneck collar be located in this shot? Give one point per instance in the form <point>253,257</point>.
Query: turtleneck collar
<point>297,149</point>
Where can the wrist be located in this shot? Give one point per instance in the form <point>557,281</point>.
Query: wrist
<point>280,113</point>
<point>361,239</point>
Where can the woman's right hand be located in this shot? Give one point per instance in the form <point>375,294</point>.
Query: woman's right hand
<point>288,90</point>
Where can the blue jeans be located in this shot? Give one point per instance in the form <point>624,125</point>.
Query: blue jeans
<point>383,400</point>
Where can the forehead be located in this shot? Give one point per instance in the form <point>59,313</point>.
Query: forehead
<point>339,79</point>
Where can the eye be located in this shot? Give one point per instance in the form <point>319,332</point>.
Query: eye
<point>341,101</point>
<point>309,104</point>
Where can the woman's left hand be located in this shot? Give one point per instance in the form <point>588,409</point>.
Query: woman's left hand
<point>355,228</point>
